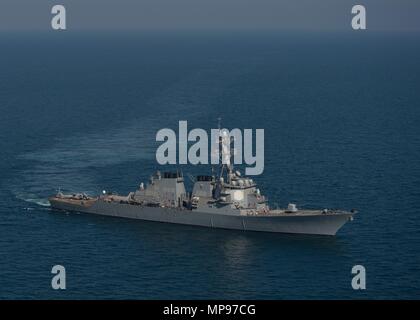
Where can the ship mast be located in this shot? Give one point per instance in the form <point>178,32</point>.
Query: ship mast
<point>223,149</point>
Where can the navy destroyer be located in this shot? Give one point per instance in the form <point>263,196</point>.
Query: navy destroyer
<point>224,200</point>
<point>235,203</point>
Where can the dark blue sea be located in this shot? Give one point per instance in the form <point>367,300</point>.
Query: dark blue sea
<point>80,111</point>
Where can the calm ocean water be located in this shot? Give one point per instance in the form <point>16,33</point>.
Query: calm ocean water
<point>341,114</point>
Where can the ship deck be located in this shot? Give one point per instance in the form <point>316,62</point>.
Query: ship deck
<point>308,212</point>
<point>79,202</point>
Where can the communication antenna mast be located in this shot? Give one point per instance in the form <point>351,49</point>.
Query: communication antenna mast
<point>217,170</point>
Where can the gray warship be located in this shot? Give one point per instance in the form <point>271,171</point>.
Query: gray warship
<point>225,200</point>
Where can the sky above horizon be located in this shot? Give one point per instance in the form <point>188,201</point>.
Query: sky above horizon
<point>191,15</point>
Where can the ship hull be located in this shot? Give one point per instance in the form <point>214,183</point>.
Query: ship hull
<point>323,224</point>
